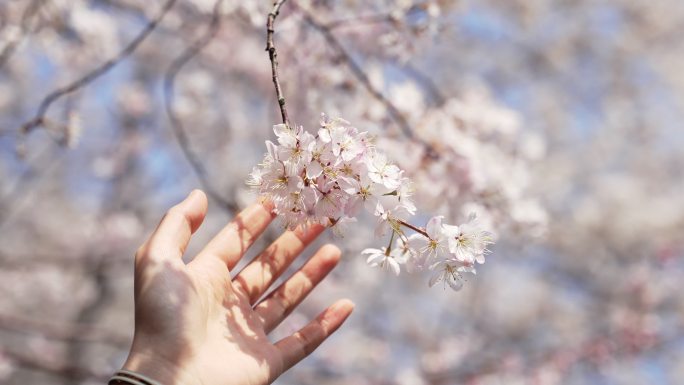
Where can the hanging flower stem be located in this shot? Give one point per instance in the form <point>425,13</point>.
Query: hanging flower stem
<point>414,228</point>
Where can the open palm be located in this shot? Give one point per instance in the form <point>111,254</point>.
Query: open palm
<point>197,325</point>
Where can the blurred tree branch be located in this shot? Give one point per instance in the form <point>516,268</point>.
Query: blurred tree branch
<point>39,118</point>
<point>386,17</point>
<point>357,71</point>
<point>428,84</point>
<point>346,57</point>
<point>25,25</point>
<point>361,76</point>
<point>176,123</point>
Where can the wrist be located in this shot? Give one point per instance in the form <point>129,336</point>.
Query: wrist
<point>155,367</point>
<point>127,377</point>
<point>149,367</point>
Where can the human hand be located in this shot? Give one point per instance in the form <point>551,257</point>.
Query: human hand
<point>196,325</point>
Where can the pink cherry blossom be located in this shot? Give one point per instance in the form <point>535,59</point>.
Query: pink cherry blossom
<point>330,177</point>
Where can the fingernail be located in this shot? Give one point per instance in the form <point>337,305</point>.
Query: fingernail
<point>193,194</point>
<point>343,304</point>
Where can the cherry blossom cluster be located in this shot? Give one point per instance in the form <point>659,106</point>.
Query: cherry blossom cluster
<point>330,177</point>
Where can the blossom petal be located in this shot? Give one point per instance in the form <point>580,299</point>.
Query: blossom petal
<point>434,227</point>
<point>375,259</point>
<point>455,283</point>
<point>281,130</point>
<point>393,265</point>
<point>436,277</point>
<point>371,250</point>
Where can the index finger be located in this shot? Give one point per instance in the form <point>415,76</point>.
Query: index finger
<point>230,244</point>
<point>173,233</point>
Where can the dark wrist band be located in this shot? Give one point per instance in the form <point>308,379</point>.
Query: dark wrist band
<point>126,377</point>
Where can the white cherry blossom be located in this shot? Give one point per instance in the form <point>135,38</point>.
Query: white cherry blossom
<point>384,259</point>
<point>449,273</point>
<point>329,178</point>
<point>468,242</point>
<point>380,170</point>
<point>432,247</point>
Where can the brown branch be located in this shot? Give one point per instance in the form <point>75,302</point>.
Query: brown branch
<point>414,228</point>
<point>39,118</point>
<point>273,56</point>
<point>176,123</point>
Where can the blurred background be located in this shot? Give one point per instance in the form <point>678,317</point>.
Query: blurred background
<point>558,122</point>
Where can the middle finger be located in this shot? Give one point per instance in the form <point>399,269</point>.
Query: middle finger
<point>265,268</point>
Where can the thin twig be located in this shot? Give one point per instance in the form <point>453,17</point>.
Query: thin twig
<point>39,117</point>
<point>176,123</point>
<point>414,228</point>
<point>273,56</point>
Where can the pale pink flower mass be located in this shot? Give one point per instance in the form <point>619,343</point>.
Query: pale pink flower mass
<point>329,177</point>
